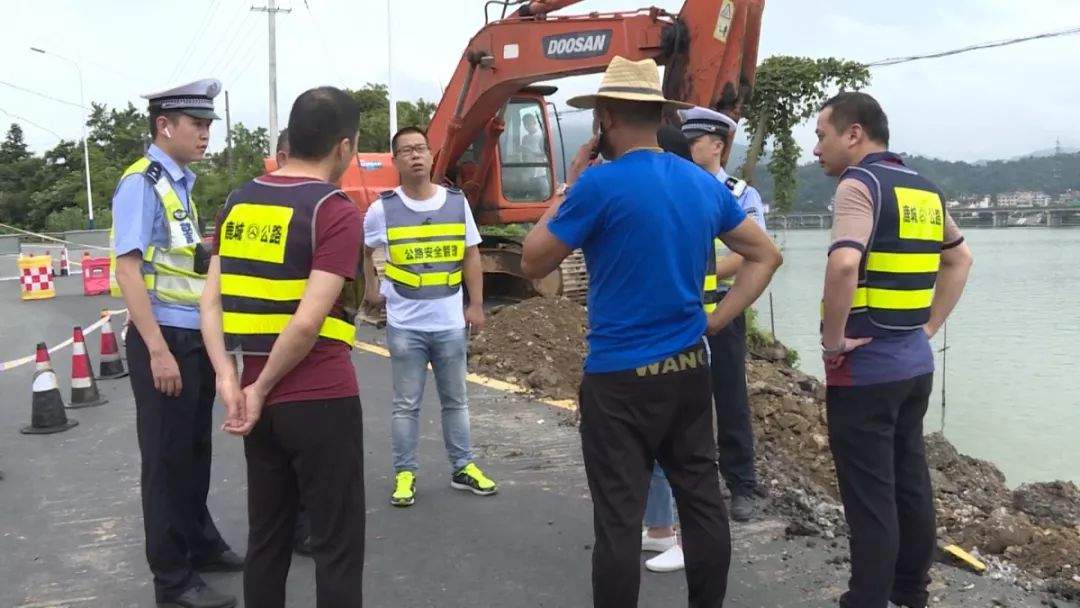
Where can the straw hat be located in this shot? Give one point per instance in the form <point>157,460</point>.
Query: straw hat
<point>629,81</point>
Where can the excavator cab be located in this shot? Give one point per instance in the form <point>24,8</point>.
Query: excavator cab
<point>525,158</point>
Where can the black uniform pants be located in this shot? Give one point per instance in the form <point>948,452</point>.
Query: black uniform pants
<point>629,419</point>
<point>734,435</point>
<point>876,437</point>
<point>311,451</point>
<point>174,442</point>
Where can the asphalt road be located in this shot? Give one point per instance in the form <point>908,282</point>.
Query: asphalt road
<point>71,528</point>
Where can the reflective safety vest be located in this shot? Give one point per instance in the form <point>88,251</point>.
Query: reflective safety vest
<point>266,247</point>
<point>171,276</point>
<point>426,250</point>
<point>711,289</point>
<point>899,268</point>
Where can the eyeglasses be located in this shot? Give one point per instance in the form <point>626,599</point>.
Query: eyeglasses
<point>410,150</point>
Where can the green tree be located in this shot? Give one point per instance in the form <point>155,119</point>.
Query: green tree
<point>374,101</point>
<point>787,91</point>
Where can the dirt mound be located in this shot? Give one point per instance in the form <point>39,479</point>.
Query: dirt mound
<point>539,343</point>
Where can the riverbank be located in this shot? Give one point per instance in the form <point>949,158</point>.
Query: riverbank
<point>1029,536</point>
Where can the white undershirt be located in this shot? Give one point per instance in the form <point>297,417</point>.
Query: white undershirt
<point>441,314</point>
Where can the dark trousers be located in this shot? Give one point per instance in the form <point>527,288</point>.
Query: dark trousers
<point>628,420</point>
<point>734,435</point>
<point>174,441</point>
<point>876,437</point>
<point>311,451</point>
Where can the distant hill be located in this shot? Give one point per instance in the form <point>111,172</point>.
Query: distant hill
<point>1051,174</point>
<point>1040,170</point>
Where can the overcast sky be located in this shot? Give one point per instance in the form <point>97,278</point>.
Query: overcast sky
<point>996,103</point>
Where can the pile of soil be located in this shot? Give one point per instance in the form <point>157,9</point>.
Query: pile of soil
<point>1031,535</point>
<point>539,343</point>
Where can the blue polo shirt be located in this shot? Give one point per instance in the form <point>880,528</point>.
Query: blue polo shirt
<point>139,221</point>
<point>645,223</point>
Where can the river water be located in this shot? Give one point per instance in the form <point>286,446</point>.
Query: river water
<point>1012,376</point>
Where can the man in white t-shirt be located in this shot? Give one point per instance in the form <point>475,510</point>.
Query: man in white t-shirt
<point>430,239</point>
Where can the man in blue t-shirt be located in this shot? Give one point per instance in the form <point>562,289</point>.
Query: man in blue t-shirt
<point>646,222</point>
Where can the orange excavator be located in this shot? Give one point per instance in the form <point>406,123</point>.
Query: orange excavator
<point>491,132</point>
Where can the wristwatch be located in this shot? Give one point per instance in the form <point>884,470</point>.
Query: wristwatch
<point>832,352</point>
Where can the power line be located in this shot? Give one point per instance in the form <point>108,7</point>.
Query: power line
<point>32,123</point>
<point>42,95</point>
<point>224,37</point>
<point>973,47</point>
<point>200,31</point>
<point>236,44</point>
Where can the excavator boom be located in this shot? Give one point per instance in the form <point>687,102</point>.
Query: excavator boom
<point>709,48</point>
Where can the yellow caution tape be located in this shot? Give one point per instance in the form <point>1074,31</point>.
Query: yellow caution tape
<point>10,365</point>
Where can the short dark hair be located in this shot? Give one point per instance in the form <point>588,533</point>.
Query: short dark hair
<point>172,115</point>
<point>320,118</point>
<point>635,113</point>
<point>283,140</point>
<point>405,131</point>
<point>853,107</point>
<point>671,139</point>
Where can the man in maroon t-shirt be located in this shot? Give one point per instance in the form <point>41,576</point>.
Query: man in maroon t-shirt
<point>285,245</point>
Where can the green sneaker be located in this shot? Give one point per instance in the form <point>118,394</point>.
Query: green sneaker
<point>471,479</point>
<point>404,489</point>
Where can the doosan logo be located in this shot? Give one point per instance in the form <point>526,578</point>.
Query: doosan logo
<point>577,45</point>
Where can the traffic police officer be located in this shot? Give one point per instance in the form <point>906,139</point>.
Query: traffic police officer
<point>708,132</point>
<point>158,266</point>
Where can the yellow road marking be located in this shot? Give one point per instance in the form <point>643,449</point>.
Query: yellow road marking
<point>492,383</point>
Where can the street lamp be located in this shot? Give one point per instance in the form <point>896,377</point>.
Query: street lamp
<point>86,147</point>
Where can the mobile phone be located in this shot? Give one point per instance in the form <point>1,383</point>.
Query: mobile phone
<point>599,144</point>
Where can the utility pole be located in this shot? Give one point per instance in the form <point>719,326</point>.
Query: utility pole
<point>271,9</point>
<point>390,72</point>
<point>228,137</point>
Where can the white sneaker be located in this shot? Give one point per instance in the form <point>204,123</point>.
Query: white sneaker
<point>656,545</point>
<point>668,561</point>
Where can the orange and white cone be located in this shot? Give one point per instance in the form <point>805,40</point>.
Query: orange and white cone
<point>111,365</point>
<point>47,413</point>
<point>84,390</point>
<point>65,268</point>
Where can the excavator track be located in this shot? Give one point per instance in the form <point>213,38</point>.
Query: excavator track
<point>574,278</point>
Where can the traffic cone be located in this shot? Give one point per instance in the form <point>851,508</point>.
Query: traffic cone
<point>111,365</point>
<point>84,391</point>
<point>65,269</point>
<point>47,413</point>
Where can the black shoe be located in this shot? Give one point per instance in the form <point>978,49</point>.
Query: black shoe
<point>226,561</point>
<point>200,597</point>
<point>302,546</point>
<point>742,506</point>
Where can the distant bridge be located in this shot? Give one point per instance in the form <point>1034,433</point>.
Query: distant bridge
<point>991,217</point>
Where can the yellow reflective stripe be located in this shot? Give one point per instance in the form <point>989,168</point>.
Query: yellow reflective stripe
<point>709,308</point>
<point>892,299</point>
<point>246,323</point>
<point>278,290</point>
<point>402,276</point>
<point>427,279</point>
<point>710,282</point>
<point>136,167</point>
<point>428,252</point>
<point>424,231</point>
<point>903,262</point>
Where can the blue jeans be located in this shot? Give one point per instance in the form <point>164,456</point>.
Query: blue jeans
<point>660,507</point>
<point>410,353</point>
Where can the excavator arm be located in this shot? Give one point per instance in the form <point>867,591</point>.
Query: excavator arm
<point>709,48</point>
